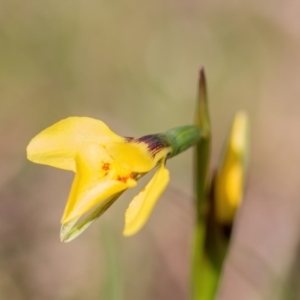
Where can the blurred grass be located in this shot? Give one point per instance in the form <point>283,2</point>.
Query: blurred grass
<point>113,284</point>
<point>134,65</point>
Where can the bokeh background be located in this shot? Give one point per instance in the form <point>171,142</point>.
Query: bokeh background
<point>134,64</point>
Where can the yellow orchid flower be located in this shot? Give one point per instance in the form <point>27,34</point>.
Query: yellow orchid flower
<point>105,165</point>
<point>230,178</point>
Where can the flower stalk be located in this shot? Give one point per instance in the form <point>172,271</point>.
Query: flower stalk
<point>201,157</point>
<point>217,198</point>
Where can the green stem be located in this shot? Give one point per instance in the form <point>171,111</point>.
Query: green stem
<point>202,155</point>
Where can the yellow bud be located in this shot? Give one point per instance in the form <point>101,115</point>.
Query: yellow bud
<point>230,177</point>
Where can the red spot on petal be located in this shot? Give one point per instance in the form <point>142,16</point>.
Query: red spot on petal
<point>123,178</point>
<point>106,166</point>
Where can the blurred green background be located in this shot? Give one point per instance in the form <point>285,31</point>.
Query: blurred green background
<point>134,65</point>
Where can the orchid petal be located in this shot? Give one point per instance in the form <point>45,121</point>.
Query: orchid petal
<point>135,156</point>
<point>93,183</point>
<point>74,228</point>
<point>142,205</point>
<point>58,144</point>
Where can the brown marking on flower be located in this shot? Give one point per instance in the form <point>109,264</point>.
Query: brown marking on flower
<point>154,142</point>
<point>129,138</point>
<point>106,166</point>
<point>125,178</point>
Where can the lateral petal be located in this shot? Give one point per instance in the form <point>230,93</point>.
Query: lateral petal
<point>142,205</point>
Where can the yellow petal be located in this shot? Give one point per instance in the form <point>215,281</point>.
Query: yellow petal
<point>74,228</point>
<point>58,144</point>
<point>230,177</point>
<point>91,184</point>
<point>142,205</point>
<point>135,156</point>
